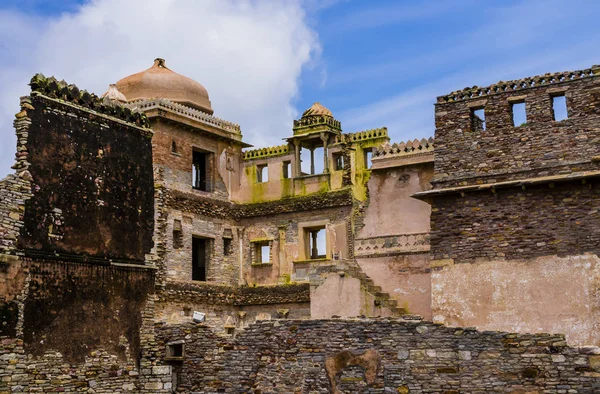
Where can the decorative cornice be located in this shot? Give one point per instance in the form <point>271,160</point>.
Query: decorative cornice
<point>519,84</point>
<point>541,180</point>
<point>60,90</point>
<point>391,245</point>
<point>303,125</point>
<point>271,151</point>
<point>188,112</point>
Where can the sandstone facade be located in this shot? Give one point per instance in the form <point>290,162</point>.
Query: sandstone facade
<point>126,216</point>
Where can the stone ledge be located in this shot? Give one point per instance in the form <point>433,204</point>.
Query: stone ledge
<point>508,184</point>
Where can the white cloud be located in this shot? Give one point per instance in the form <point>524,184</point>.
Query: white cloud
<point>248,54</point>
<point>509,45</point>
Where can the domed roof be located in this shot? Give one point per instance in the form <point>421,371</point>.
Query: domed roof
<point>317,110</point>
<point>161,82</point>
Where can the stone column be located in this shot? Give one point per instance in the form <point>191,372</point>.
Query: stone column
<point>312,161</point>
<point>325,139</point>
<point>297,163</point>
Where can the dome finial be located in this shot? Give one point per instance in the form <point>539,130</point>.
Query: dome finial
<point>160,62</point>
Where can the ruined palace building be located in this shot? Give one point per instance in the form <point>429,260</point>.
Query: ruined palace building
<point>146,248</point>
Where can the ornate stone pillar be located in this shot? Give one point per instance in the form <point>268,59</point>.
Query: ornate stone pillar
<point>312,161</point>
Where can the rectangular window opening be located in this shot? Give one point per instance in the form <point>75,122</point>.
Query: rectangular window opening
<point>200,174</point>
<point>338,161</point>
<point>519,114</point>
<point>477,119</point>
<point>265,254</point>
<point>317,246</point>
<point>177,234</point>
<point>174,350</point>
<point>262,173</point>
<point>559,107</point>
<point>368,156</point>
<point>287,169</point>
<point>261,252</point>
<point>200,258</point>
<point>227,246</point>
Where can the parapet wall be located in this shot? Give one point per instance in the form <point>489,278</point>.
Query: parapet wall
<point>376,355</point>
<point>503,151</point>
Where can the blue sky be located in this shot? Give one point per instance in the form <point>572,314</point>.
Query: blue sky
<point>373,63</point>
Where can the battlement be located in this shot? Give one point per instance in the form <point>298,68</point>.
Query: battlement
<point>518,129</point>
<point>404,153</point>
<point>188,112</point>
<point>370,134</point>
<point>404,148</point>
<point>547,79</point>
<point>52,88</point>
<point>271,151</point>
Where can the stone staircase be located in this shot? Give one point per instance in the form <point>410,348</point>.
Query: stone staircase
<point>382,299</point>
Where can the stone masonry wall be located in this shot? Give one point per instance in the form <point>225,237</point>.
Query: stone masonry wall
<point>376,356</point>
<point>109,165</point>
<point>516,223</point>
<point>538,212</point>
<point>502,151</point>
<point>78,327</point>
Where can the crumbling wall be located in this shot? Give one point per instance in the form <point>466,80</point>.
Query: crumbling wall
<point>502,191</point>
<point>376,355</point>
<point>83,320</point>
<point>91,180</point>
<point>229,307</point>
<point>286,233</point>
<point>79,205</point>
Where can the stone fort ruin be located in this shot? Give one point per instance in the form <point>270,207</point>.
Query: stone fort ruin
<point>146,248</point>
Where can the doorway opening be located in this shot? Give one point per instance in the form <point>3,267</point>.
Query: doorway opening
<point>200,258</point>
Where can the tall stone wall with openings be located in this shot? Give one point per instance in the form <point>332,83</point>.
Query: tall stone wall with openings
<point>526,190</point>
<point>516,198</point>
<point>375,356</point>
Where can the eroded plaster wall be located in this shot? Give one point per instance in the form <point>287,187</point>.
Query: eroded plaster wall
<point>343,296</point>
<point>546,294</point>
<point>391,209</point>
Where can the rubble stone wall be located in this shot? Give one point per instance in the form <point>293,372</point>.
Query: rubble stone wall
<point>376,356</point>
<point>503,151</point>
<point>515,223</point>
<point>77,326</point>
